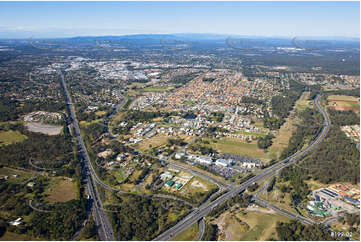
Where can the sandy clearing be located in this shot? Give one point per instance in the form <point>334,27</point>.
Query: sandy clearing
<point>44,128</point>
<point>196,183</point>
<point>259,209</point>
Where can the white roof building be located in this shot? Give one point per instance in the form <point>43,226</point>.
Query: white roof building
<point>179,155</point>
<point>166,175</point>
<point>204,160</point>
<point>223,162</point>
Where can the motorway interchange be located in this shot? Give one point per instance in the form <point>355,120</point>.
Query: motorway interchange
<point>105,229</point>
<point>203,211</point>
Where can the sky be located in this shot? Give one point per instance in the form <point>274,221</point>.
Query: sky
<point>287,19</point>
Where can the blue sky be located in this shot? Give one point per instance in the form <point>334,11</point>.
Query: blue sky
<point>57,19</point>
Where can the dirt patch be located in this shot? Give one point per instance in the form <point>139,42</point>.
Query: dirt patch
<point>230,227</point>
<point>223,234</point>
<point>259,209</point>
<point>44,128</point>
<point>62,192</point>
<point>196,183</point>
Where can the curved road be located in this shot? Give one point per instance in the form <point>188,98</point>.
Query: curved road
<point>202,226</point>
<point>200,213</point>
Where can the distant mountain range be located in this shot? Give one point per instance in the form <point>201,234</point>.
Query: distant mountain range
<point>196,36</point>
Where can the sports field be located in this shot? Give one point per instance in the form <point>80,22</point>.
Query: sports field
<point>343,103</point>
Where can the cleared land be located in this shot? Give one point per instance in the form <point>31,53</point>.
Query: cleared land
<point>238,147</point>
<point>196,185</point>
<point>155,141</point>
<point>10,137</point>
<point>287,129</point>
<point>63,191</point>
<point>281,140</point>
<point>303,102</point>
<point>248,225</point>
<point>44,128</point>
<point>342,102</point>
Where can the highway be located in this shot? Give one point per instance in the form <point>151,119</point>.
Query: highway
<point>104,228</point>
<point>201,212</point>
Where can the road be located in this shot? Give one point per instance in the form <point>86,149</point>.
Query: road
<point>90,172</point>
<point>39,210</point>
<point>202,226</point>
<point>200,213</point>
<point>199,174</point>
<point>104,228</point>
<point>283,211</point>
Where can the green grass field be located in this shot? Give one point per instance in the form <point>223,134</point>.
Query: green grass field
<point>238,147</point>
<point>352,104</point>
<point>10,137</point>
<point>342,102</point>
<point>343,97</point>
<point>189,234</point>
<point>156,89</point>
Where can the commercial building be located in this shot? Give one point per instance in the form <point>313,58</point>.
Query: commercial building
<point>204,160</point>
<point>179,155</point>
<point>224,163</point>
<point>166,175</point>
<point>169,183</point>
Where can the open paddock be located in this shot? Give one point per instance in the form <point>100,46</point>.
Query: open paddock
<point>11,137</point>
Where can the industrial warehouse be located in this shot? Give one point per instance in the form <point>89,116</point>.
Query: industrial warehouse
<point>334,199</point>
